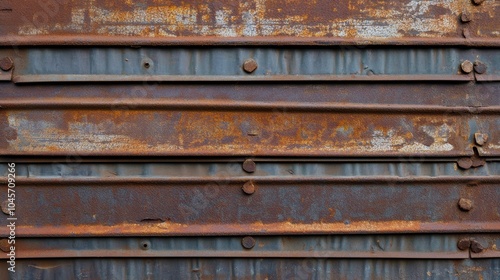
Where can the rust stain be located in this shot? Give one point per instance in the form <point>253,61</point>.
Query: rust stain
<point>322,18</point>
<point>121,131</point>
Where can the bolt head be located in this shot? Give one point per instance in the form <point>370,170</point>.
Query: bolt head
<point>477,2</point>
<point>465,17</point>
<point>249,166</point>
<point>479,67</point>
<point>6,63</point>
<point>476,247</point>
<point>465,204</point>
<point>464,163</point>
<point>4,245</point>
<point>250,65</point>
<point>248,188</point>
<point>467,66</point>
<point>480,138</point>
<point>248,242</point>
<point>5,208</point>
<point>463,244</point>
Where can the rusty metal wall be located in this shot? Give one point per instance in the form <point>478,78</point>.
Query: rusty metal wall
<point>251,139</point>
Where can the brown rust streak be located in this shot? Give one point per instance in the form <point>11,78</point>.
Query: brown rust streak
<point>215,132</point>
<point>287,228</point>
<point>251,18</point>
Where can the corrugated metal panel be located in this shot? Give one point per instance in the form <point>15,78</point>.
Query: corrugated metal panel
<point>251,139</point>
<point>255,268</point>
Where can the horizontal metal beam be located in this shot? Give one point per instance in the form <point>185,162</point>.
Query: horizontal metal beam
<point>222,78</point>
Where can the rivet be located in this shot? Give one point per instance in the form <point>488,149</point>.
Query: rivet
<point>476,247</point>
<point>480,67</point>
<point>6,63</point>
<point>464,163</point>
<point>477,2</point>
<point>465,204</point>
<point>249,166</point>
<point>145,245</point>
<point>480,138</point>
<point>250,65</point>
<point>4,245</point>
<point>465,17</point>
<point>248,187</point>
<point>248,242</point>
<point>5,207</point>
<point>464,244</point>
<point>467,66</point>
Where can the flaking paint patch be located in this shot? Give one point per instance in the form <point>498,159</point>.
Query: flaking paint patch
<point>252,18</point>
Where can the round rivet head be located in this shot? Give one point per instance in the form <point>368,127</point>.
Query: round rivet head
<point>248,187</point>
<point>479,67</point>
<point>467,66</point>
<point>6,63</point>
<point>464,163</point>
<point>477,2</point>
<point>465,204</point>
<point>4,245</point>
<point>5,207</point>
<point>249,166</point>
<point>463,244</point>
<point>480,138</point>
<point>476,247</point>
<point>248,242</point>
<point>465,17</point>
<point>250,65</point>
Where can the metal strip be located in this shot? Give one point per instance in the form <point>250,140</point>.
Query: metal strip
<point>486,254</point>
<point>171,103</point>
<point>53,78</point>
<point>96,40</point>
<point>55,181</point>
<point>285,228</point>
<point>487,78</point>
<point>103,253</point>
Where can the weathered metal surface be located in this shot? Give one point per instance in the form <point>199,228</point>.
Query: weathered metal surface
<point>245,148</point>
<point>290,198</point>
<point>227,64</point>
<point>243,22</point>
<point>187,129</point>
<point>253,268</point>
<point>438,246</point>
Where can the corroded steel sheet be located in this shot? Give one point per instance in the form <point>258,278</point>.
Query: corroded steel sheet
<point>255,268</point>
<point>323,21</point>
<point>192,131</point>
<point>286,199</point>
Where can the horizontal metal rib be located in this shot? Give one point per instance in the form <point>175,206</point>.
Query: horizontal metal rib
<point>223,78</point>
<point>167,104</point>
<point>95,40</point>
<point>99,253</point>
<point>257,179</point>
<point>257,229</point>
